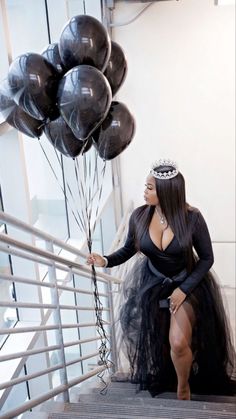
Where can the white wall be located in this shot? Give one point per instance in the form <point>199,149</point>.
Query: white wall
<point>180,88</point>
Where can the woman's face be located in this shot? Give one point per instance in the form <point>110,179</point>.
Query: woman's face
<point>150,195</point>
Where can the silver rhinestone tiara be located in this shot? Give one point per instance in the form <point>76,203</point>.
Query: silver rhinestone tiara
<point>164,175</point>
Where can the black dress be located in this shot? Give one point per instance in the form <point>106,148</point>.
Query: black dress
<point>145,317</point>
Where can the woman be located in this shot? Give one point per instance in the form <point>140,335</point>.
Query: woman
<point>173,320</point>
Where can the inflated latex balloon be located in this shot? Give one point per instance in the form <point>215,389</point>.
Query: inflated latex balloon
<point>84,98</point>
<point>33,82</point>
<point>15,116</point>
<point>84,40</point>
<point>87,145</point>
<point>63,139</point>
<point>51,54</point>
<point>115,133</point>
<point>116,69</point>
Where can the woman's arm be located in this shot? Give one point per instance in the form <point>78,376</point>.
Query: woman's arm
<point>121,255</point>
<point>127,251</point>
<point>202,245</point>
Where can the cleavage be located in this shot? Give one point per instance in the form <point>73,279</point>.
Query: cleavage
<point>160,236</point>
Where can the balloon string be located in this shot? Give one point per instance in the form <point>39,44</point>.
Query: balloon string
<point>82,227</point>
<point>81,195</point>
<point>104,351</point>
<point>92,190</point>
<point>62,189</point>
<point>95,180</point>
<point>90,176</point>
<point>85,179</point>
<point>84,7</point>
<point>101,189</point>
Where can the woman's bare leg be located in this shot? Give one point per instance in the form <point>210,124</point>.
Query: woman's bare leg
<point>180,337</point>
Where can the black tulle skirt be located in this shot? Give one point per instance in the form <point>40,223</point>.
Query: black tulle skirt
<point>145,322</point>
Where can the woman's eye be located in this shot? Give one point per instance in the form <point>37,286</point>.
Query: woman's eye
<point>148,187</point>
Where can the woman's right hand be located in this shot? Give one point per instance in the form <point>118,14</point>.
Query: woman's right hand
<point>95,259</point>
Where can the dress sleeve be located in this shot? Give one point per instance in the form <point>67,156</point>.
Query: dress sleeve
<point>125,252</point>
<point>202,244</point>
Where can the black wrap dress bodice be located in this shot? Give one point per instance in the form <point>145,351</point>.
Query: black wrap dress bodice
<point>171,260</point>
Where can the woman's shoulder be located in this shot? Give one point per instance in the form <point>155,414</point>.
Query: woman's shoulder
<point>193,212</point>
<point>137,212</point>
<point>141,209</point>
<point>195,216</point>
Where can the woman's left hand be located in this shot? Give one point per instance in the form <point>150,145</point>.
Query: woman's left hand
<point>176,299</point>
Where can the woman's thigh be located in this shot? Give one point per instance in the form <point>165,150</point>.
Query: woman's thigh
<point>181,326</point>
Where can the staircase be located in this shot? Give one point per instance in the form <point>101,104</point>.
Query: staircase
<point>82,390</point>
<point>123,401</point>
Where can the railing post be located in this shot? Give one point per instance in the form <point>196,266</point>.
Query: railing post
<point>57,320</point>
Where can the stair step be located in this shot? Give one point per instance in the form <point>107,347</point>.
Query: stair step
<point>128,389</point>
<point>124,393</point>
<point>180,409</point>
<point>98,415</point>
<point>124,401</point>
<point>35,415</point>
<point>142,406</point>
<point>122,380</point>
<point>140,401</point>
<point>120,377</point>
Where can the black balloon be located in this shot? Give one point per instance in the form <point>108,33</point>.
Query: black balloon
<point>15,116</point>
<point>84,40</point>
<point>84,98</point>
<point>115,133</point>
<point>63,139</point>
<point>87,144</point>
<point>116,69</point>
<point>33,82</point>
<point>51,54</point>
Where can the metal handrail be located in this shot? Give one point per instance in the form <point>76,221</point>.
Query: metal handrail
<point>50,327</point>
<point>12,278</point>
<point>51,258</point>
<point>9,219</point>
<point>16,304</point>
<point>57,390</point>
<point>46,349</point>
<point>37,374</point>
<point>54,262</point>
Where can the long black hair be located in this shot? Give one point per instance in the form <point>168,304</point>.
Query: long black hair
<point>172,200</point>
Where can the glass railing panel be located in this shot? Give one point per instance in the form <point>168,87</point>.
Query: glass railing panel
<point>8,315</point>
<point>17,396</point>
<point>47,200</point>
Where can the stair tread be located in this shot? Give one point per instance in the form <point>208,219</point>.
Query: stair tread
<point>35,415</point>
<point>151,410</point>
<point>121,411</point>
<point>126,392</point>
<point>123,401</point>
<point>157,402</point>
<point>98,415</point>
<point>132,390</point>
